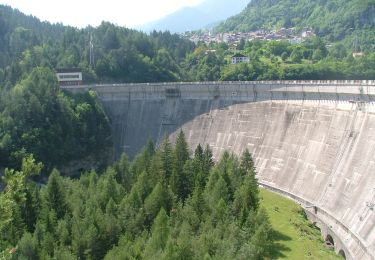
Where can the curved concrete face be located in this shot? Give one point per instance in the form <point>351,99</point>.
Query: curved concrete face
<point>313,142</point>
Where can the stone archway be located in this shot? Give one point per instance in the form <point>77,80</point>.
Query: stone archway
<point>342,253</point>
<point>330,243</point>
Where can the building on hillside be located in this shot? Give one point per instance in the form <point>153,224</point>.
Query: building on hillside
<point>295,40</point>
<point>358,54</point>
<point>69,76</point>
<point>307,33</point>
<point>238,58</point>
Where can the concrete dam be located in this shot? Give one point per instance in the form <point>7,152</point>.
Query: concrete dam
<point>313,141</point>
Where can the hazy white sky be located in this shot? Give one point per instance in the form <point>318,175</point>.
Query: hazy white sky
<point>81,13</point>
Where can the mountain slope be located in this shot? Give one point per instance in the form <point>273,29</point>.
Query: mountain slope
<point>334,19</point>
<point>193,18</point>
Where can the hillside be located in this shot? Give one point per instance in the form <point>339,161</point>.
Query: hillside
<point>333,19</point>
<point>19,32</point>
<point>193,18</point>
<point>117,50</point>
<point>37,117</point>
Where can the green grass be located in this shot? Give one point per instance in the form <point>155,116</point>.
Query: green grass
<point>295,237</point>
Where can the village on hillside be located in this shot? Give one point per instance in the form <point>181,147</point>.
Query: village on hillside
<point>290,34</point>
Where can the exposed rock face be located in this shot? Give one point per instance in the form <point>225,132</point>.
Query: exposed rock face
<point>313,141</point>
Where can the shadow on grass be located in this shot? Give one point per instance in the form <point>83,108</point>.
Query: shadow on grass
<point>279,249</point>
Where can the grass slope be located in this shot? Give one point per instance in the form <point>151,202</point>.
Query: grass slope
<point>296,238</point>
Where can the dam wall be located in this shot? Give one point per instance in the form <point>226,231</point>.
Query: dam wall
<point>313,141</point>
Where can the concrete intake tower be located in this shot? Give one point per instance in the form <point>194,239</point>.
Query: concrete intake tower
<point>313,141</point>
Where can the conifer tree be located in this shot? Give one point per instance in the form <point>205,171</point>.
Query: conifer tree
<point>262,239</point>
<point>198,167</point>
<point>199,156</point>
<point>123,174</point>
<point>175,183</point>
<point>27,248</point>
<point>14,202</point>
<point>159,233</point>
<point>55,195</point>
<point>181,152</point>
<point>197,201</point>
<point>181,246</point>
<point>166,155</point>
<point>159,198</point>
<point>203,162</point>
<point>247,162</point>
<point>246,198</point>
<point>208,162</point>
<point>223,167</point>
<point>31,208</point>
<point>179,180</point>
<point>143,160</point>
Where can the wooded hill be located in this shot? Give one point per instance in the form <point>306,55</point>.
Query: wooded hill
<point>120,54</point>
<point>335,20</point>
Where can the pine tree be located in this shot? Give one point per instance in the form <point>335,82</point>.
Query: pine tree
<point>198,167</point>
<point>143,160</point>
<point>246,198</point>
<point>55,195</point>
<point>179,182</point>
<point>199,156</point>
<point>247,162</point>
<point>63,232</point>
<point>208,162</point>
<point>224,167</point>
<point>27,248</point>
<point>262,239</point>
<point>203,162</point>
<point>31,207</point>
<point>181,152</point>
<point>198,202</point>
<point>166,155</point>
<point>181,247</point>
<point>16,203</point>
<point>159,233</point>
<point>108,188</point>
<point>159,198</point>
<point>123,173</point>
<point>175,183</point>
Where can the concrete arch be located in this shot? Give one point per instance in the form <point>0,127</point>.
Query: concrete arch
<point>330,243</point>
<point>342,253</point>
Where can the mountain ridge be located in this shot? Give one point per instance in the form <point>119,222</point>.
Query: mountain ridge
<point>193,18</point>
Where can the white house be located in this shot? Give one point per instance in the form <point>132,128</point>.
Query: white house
<point>238,58</point>
<point>69,77</point>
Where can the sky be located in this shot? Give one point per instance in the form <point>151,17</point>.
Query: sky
<point>78,13</point>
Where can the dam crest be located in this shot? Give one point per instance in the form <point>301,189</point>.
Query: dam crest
<point>313,141</point>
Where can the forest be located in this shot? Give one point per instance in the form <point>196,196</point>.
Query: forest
<point>38,118</point>
<point>165,204</point>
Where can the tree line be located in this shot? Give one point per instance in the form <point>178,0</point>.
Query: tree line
<point>165,204</point>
